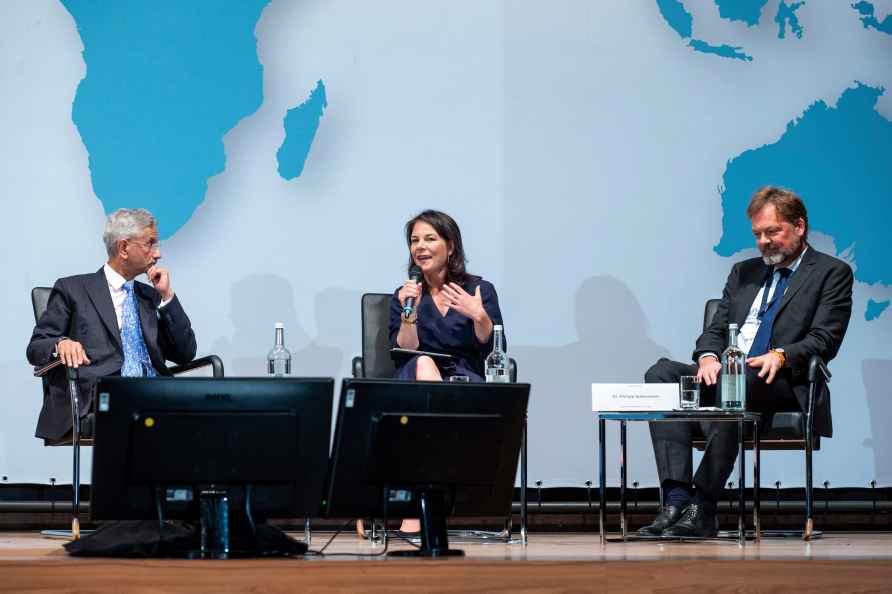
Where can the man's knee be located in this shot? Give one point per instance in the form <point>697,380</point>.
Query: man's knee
<point>661,371</point>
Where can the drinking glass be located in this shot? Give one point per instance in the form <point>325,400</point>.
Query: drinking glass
<point>689,392</point>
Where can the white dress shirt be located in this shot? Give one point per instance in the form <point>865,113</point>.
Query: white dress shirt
<point>116,289</point>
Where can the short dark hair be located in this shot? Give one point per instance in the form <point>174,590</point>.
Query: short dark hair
<point>447,228</point>
<point>789,206</point>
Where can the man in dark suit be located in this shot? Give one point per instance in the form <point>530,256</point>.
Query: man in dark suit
<point>105,323</point>
<point>790,304</point>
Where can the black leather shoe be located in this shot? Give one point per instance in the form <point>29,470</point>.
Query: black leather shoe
<point>697,520</point>
<point>666,518</point>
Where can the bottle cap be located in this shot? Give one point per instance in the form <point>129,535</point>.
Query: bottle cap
<point>732,325</point>
<point>497,327</point>
<point>280,325</point>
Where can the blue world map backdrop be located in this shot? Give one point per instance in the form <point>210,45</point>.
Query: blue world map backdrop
<point>838,157</point>
<point>165,82</point>
<point>826,153</point>
<point>598,157</point>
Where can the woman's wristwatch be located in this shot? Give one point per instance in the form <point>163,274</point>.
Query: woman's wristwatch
<point>779,353</point>
<point>409,319</point>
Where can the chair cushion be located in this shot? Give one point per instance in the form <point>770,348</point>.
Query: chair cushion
<point>784,425</point>
<point>779,431</point>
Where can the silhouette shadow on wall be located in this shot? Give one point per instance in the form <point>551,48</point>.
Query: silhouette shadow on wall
<point>612,346</point>
<point>337,313</point>
<point>261,300</point>
<point>877,374</point>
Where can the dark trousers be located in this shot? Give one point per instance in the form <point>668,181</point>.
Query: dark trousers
<point>673,441</point>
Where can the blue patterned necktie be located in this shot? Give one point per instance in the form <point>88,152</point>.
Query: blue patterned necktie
<point>768,311</point>
<point>136,356</point>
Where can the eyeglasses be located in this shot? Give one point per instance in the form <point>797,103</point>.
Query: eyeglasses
<point>149,245</point>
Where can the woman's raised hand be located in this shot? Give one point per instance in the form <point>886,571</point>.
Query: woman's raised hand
<point>463,302</point>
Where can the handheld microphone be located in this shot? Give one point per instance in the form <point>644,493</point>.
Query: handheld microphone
<point>414,275</point>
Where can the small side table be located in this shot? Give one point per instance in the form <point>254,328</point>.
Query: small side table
<point>741,418</point>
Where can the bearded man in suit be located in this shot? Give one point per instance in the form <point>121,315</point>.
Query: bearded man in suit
<point>105,323</point>
<point>791,303</point>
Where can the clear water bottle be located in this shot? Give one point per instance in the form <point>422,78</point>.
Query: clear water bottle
<point>497,362</point>
<point>733,392</point>
<point>279,358</point>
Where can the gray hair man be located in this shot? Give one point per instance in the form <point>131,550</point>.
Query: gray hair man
<point>106,323</point>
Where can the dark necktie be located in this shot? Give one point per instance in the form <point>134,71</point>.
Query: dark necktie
<point>768,311</point>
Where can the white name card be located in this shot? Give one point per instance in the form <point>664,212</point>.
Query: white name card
<point>632,397</point>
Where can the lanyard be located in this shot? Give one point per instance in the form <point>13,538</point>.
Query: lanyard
<point>765,304</point>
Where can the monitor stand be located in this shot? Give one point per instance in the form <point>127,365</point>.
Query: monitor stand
<point>432,512</point>
<point>224,535</point>
<point>214,515</point>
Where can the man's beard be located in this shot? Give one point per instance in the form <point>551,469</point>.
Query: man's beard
<point>781,255</point>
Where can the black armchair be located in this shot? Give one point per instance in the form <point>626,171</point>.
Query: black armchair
<point>82,426</point>
<point>790,430</point>
<point>375,360</point>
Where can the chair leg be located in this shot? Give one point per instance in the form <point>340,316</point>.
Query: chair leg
<point>76,454</point>
<point>809,502</point>
<point>809,437</point>
<point>76,485</point>
<point>524,518</point>
<point>757,484</point>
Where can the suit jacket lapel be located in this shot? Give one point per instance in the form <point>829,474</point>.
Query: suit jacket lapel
<point>148,319</point>
<point>97,290</point>
<point>798,279</point>
<point>748,293</point>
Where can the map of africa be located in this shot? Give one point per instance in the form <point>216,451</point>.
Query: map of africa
<point>160,94</point>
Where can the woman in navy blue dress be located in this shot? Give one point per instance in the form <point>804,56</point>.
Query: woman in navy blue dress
<point>454,311</point>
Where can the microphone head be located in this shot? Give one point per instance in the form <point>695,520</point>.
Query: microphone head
<point>415,273</point>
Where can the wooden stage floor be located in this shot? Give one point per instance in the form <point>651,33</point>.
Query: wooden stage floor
<point>839,562</point>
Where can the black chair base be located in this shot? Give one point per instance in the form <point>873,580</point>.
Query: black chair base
<point>65,534</point>
<point>798,534</point>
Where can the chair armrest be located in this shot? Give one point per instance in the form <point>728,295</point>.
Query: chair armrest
<point>208,361</point>
<point>42,371</point>
<point>358,369</point>
<point>512,370</point>
<point>70,372</point>
<point>816,364</point>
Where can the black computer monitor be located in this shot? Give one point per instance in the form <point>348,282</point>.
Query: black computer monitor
<point>161,442</point>
<point>426,450</point>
